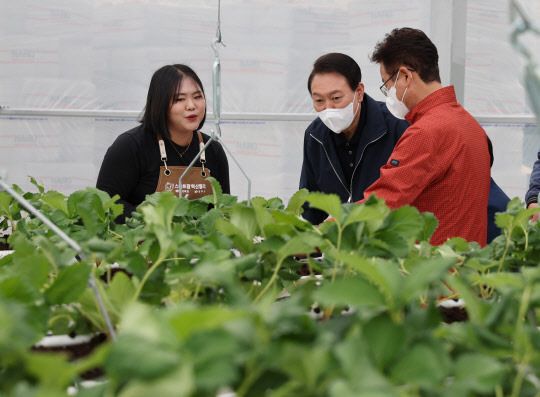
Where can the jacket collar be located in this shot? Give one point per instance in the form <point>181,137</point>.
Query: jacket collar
<point>439,97</point>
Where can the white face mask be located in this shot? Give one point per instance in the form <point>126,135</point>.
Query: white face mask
<point>394,105</point>
<point>339,119</point>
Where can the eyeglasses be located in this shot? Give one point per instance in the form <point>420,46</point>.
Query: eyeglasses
<point>383,88</point>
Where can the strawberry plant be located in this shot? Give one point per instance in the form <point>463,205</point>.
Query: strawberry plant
<point>202,310</point>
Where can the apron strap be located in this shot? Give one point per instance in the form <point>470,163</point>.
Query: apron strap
<point>163,153</point>
<point>201,145</point>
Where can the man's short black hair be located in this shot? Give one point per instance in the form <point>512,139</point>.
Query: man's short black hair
<point>164,84</point>
<point>409,47</point>
<point>339,63</point>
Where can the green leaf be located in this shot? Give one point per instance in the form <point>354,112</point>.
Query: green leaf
<point>382,274</point>
<point>36,184</point>
<point>424,273</point>
<point>191,320</point>
<point>393,243</point>
<point>244,219</point>
<point>362,213</point>
<point>52,370</point>
<point>294,246</point>
<point>134,357</point>
<point>351,291</point>
<point>497,280</point>
<point>208,221</point>
<point>479,373</point>
<point>263,217</point>
<point>385,340</point>
<point>420,366</point>
<point>178,383</point>
<point>292,220</point>
<point>297,201</point>
<point>69,284</point>
<point>56,200</point>
<point>5,202</point>
<point>102,246</point>
<point>430,225</point>
<point>121,290</point>
<point>329,203</point>
<point>405,221</point>
<point>243,243</point>
<point>504,220</point>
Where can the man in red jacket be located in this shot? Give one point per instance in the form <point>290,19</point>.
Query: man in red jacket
<point>441,164</point>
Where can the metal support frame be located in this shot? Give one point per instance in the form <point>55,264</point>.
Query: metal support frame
<point>216,135</point>
<point>92,282</point>
<point>448,31</point>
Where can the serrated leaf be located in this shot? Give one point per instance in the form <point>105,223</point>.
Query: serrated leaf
<point>405,221</point>
<point>329,203</point>
<point>238,237</point>
<point>385,340</point>
<point>69,284</point>
<point>355,291</point>
<point>382,274</point>
<point>5,202</point>
<point>430,225</point>
<point>129,352</point>
<point>291,219</point>
<point>121,290</point>
<point>189,321</point>
<point>422,275</point>
<point>420,366</point>
<point>294,246</point>
<point>263,218</point>
<point>52,370</point>
<point>39,185</point>
<point>497,280</point>
<point>504,220</point>
<point>297,201</point>
<point>244,219</point>
<point>56,200</point>
<point>478,373</point>
<point>361,212</point>
<point>395,244</point>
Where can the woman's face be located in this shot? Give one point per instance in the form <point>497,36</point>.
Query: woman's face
<point>187,108</point>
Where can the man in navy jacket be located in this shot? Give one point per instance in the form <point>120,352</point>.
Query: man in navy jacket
<point>344,159</point>
<point>353,137</point>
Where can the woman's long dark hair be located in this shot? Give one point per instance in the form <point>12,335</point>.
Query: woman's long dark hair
<point>163,87</point>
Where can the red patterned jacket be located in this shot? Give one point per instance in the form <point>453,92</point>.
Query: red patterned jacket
<point>441,164</point>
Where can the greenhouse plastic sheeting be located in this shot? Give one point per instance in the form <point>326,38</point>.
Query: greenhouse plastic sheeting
<point>100,55</point>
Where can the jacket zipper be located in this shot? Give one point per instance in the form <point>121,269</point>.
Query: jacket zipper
<point>362,155</point>
<point>328,157</point>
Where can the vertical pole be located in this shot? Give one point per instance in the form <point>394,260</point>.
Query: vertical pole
<point>448,32</point>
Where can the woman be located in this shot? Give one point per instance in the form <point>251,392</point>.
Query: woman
<point>152,156</point>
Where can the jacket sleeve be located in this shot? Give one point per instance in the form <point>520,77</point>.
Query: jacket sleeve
<point>119,172</point>
<point>415,162</point>
<point>534,184</point>
<point>308,181</point>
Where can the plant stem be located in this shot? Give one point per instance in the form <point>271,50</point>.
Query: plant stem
<point>252,376</point>
<point>505,250</point>
<point>145,278</point>
<point>522,359</point>
<point>340,231</point>
<point>272,280</point>
<point>197,289</point>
